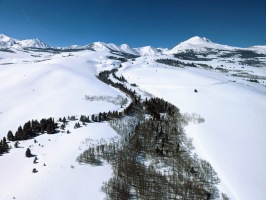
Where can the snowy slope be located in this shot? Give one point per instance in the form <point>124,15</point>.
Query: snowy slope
<point>232,138</point>
<point>55,87</point>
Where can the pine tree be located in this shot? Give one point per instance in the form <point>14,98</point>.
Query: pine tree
<point>28,153</point>
<point>16,144</point>
<point>10,136</point>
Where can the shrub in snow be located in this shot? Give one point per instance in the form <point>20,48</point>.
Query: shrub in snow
<point>34,170</point>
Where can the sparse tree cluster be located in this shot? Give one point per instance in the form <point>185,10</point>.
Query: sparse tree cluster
<point>122,59</point>
<point>72,118</point>
<point>77,125</point>
<point>156,107</point>
<point>119,100</point>
<point>175,63</point>
<point>32,128</point>
<point>85,119</point>
<point>121,78</point>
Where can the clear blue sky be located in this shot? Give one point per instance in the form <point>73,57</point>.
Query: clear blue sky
<point>162,23</point>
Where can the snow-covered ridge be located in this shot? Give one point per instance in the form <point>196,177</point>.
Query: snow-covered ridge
<point>259,48</point>
<point>147,51</point>
<point>124,48</point>
<point>199,44</point>
<point>8,42</point>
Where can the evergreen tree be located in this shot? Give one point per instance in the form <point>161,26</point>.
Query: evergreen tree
<point>35,126</point>
<point>28,153</point>
<point>27,130</point>
<point>16,144</point>
<point>10,136</point>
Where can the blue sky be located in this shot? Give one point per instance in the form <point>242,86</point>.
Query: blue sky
<point>162,23</point>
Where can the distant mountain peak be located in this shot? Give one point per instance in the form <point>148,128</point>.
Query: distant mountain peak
<point>125,46</point>
<point>147,50</point>
<point>197,40</point>
<point>36,43</point>
<point>198,44</point>
<point>8,42</point>
<point>4,37</point>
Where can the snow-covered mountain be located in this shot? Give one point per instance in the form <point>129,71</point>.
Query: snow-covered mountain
<point>147,51</point>
<point>7,42</point>
<point>198,43</point>
<point>126,48</point>
<point>34,43</point>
